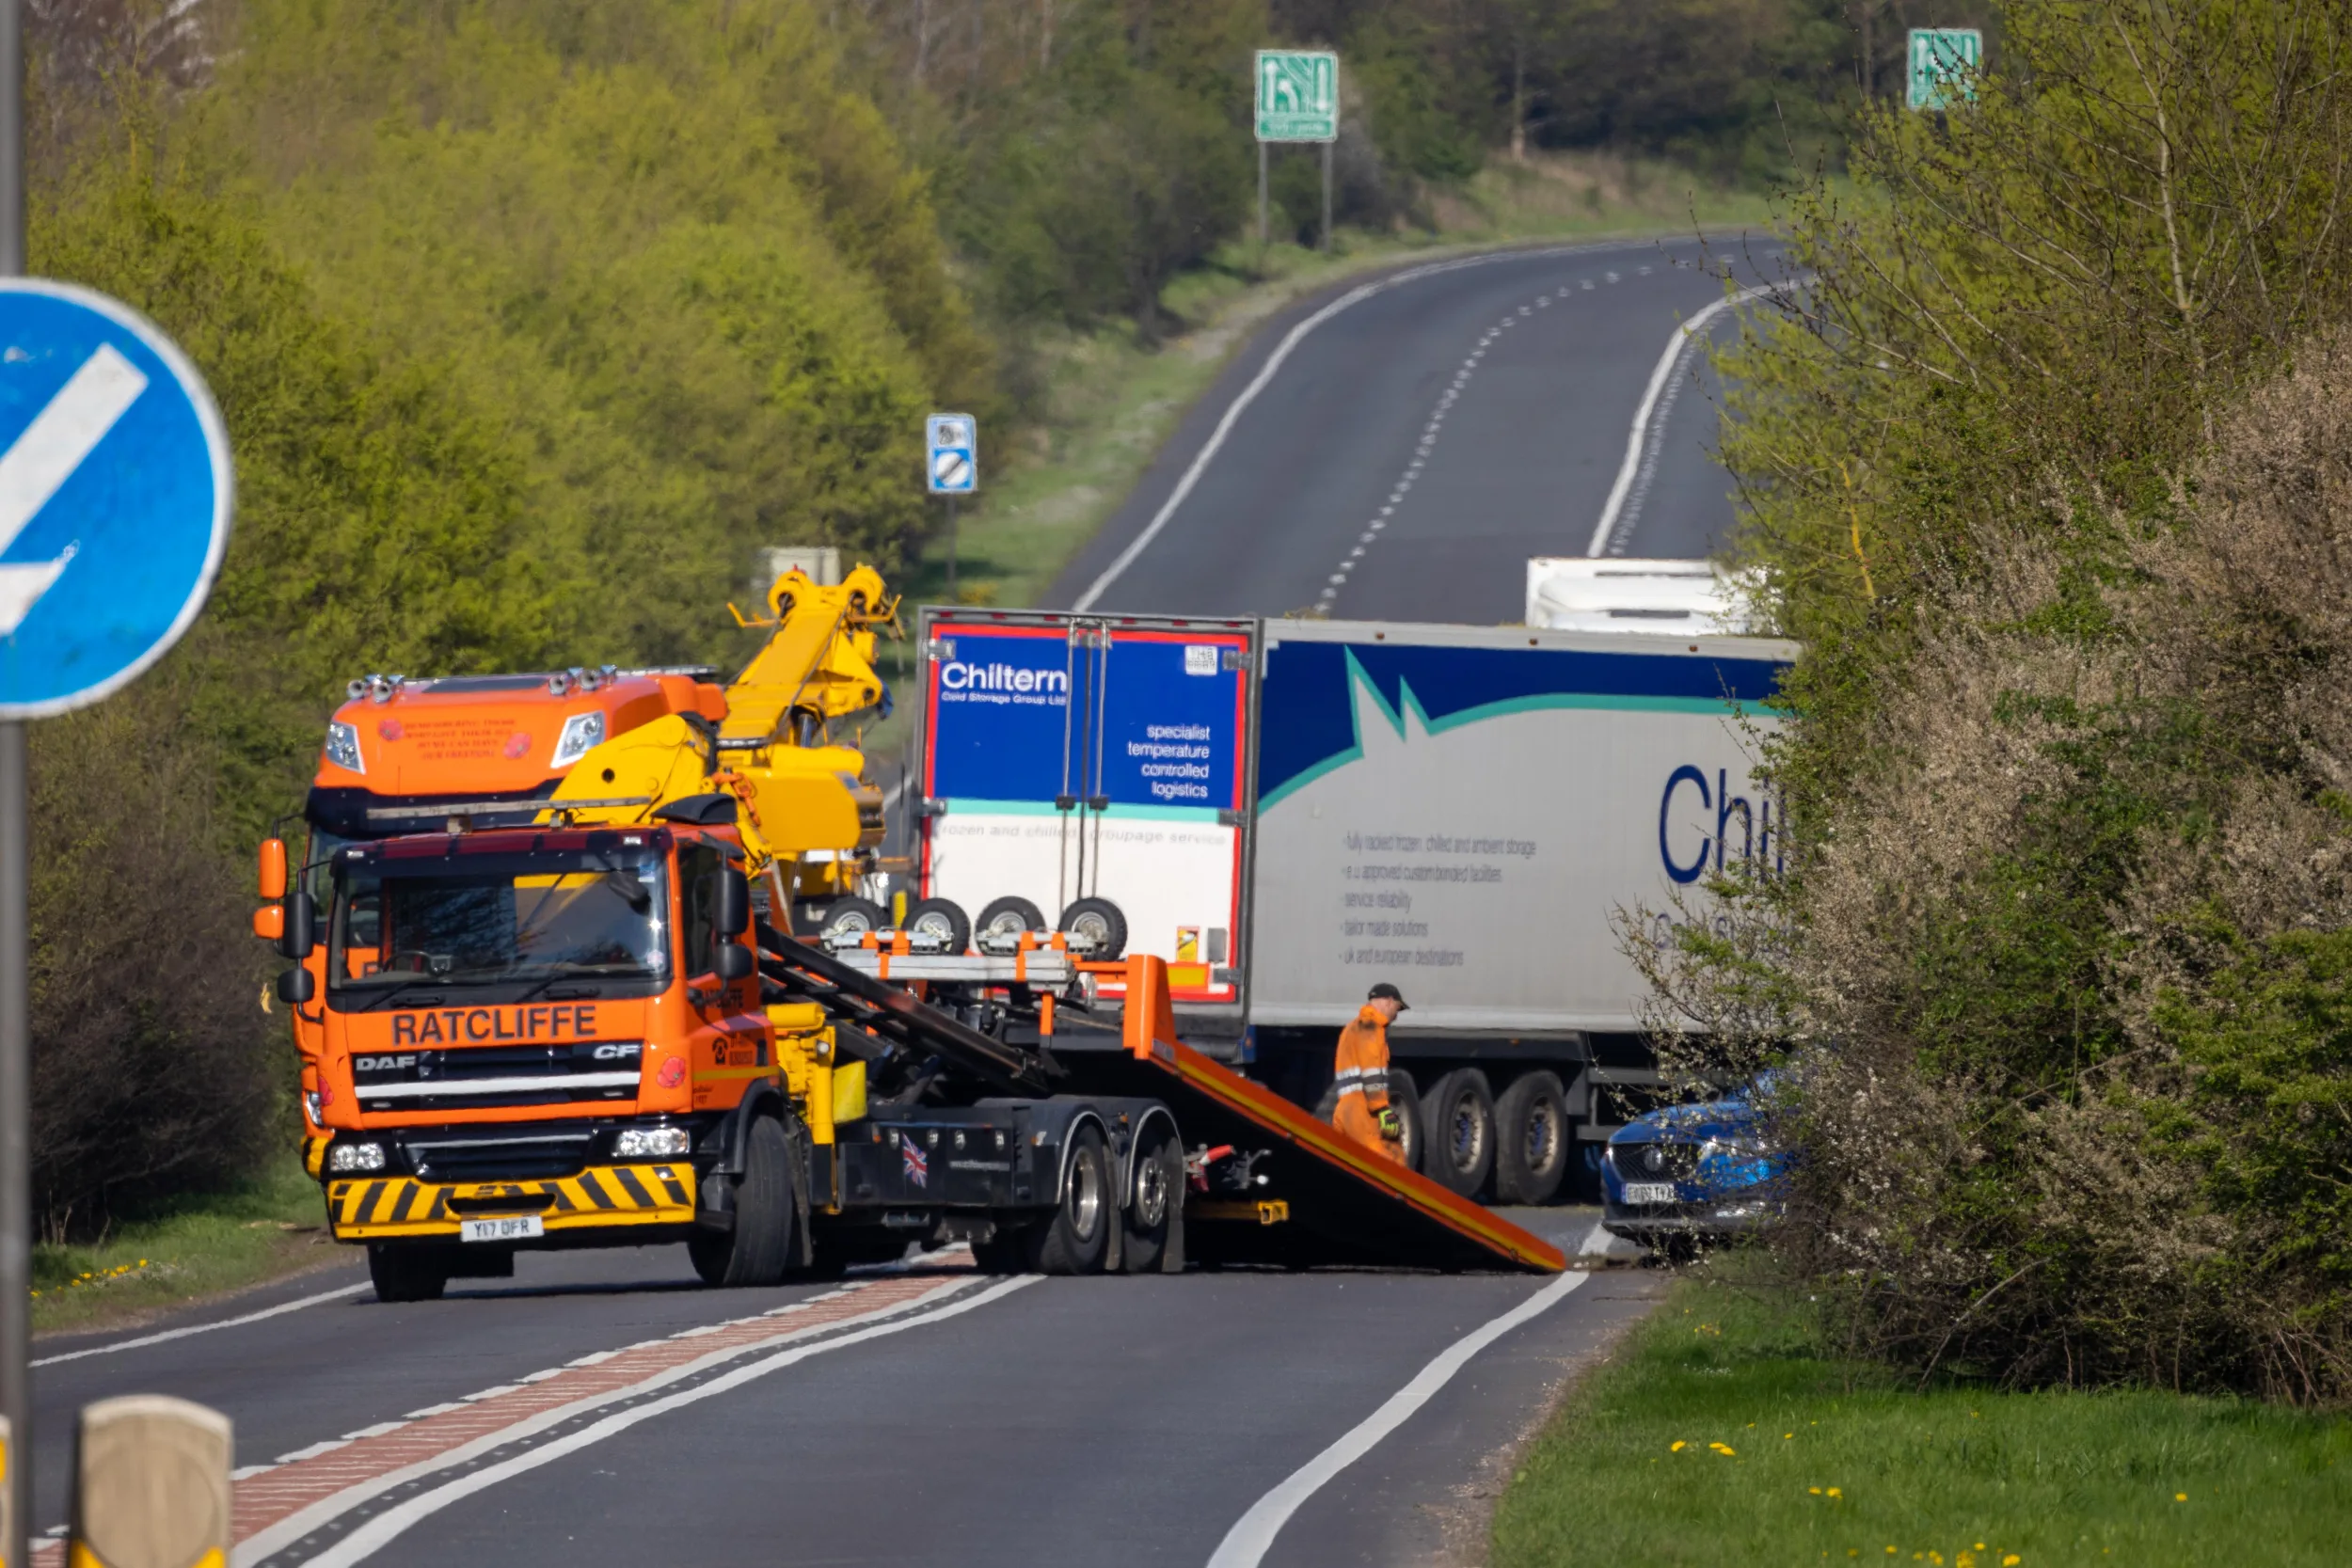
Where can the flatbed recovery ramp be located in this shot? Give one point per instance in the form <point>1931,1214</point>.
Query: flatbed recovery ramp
<point>1325,1199</point>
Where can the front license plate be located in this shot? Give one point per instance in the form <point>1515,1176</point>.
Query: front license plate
<point>1649,1192</point>
<point>507,1227</point>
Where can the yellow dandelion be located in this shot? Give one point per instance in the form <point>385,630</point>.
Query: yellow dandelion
<point>1787,1434</point>
<point>1678,1445</point>
<point>2011,1560</point>
<point>1979,1545</point>
<point>2180,1497</point>
<point>1834,1492</point>
<point>1814,1490</point>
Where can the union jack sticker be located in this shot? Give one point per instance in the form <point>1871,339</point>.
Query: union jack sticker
<point>918,1165</point>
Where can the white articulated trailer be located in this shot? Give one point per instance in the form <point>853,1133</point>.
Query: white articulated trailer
<point>1461,810</point>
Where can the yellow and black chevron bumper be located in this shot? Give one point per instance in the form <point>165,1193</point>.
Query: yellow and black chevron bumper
<point>363,1208</point>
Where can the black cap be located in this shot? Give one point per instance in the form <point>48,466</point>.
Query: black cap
<point>1387,993</point>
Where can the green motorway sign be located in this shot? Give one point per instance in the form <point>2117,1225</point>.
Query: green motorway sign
<point>1298,95</point>
<point>1943,60</point>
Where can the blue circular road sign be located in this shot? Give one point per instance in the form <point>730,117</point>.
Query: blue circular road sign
<point>115,495</point>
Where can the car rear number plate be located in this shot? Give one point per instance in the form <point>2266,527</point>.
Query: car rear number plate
<point>1649,1192</point>
<point>507,1227</point>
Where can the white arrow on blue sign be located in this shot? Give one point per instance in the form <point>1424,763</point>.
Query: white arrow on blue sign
<point>951,465</point>
<point>115,495</point>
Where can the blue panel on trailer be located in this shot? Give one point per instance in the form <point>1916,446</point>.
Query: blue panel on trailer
<point>999,714</point>
<point>1308,718</point>
<point>1171,723</point>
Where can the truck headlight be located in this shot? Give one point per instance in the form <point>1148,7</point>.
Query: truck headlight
<point>653,1143</point>
<point>583,734</point>
<point>311,1103</point>
<point>349,1157</point>
<point>342,747</point>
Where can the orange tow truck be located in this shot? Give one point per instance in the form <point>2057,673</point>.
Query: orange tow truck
<point>540,1005</point>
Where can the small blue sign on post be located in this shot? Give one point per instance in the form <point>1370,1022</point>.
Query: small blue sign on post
<point>115,495</point>
<point>952,463</point>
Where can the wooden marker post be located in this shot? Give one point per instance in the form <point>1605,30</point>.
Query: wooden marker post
<point>150,1485</point>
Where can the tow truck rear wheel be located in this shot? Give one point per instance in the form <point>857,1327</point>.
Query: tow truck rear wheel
<point>1459,1116</point>
<point>944,920</point>
<point>1532,1138</point>
<point>414,1272</point>
<point>1009,918</point>
<point>1077,1239</point>
<point>759,1248</point>
<point>852,917</point>
<point>1154,1216</point>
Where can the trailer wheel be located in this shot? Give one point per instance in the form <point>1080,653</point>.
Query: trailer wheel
<point>1458,1118</point>
<point>1154,1216</point>
<point>759,1248</point>
<point>413,1271</point>
<point>1532,1138</point>
<point>1101,922</point>
<point>851,917</point>
<point>1077,1239</point>
<point>1009,918</point>
<point>943,919</point>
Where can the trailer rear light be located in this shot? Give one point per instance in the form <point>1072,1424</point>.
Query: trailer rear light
<point>351,1157</point>
<point>342,747</point>
<point>652,1143</point>
<point>583,734</point>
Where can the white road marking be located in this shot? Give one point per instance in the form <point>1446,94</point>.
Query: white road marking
<point>1677,346</point>
<point>1246,1542</point>
<point>1259,382</point>
<point>171,1334</point>
<point>379,1531</point>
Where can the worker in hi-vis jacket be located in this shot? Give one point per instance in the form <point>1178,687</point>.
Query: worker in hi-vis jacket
<point>1361,1070</point>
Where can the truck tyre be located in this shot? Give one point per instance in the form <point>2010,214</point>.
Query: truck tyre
<point>944,919</point>
<point>1533,1139</point>
<point>410,1272</point>
<point>1101,922</point>
<point>1154,1220</point>
<point>852,917</point>
<point>1009,918</point>
<point>759,1248</point>
<point>1458,1121</point>
<point>1077,1239</point>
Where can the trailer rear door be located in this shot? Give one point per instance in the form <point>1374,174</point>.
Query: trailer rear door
<point>1068,757</point>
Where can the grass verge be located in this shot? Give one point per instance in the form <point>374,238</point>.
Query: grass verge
<point>1721,1432</point>
<point>199,1246</point>
<point>1107,400</point>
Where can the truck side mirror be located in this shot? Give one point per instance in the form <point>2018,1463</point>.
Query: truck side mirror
<point>297,986</point>
<point>273,869</point>
<point>301,930</point>
<point>732,908</point>
<point>733,961</point>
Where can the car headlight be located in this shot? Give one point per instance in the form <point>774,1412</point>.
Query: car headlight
<point>342,747</point>
<point>583,734</point>
<point>652,1143</point>
<point>348,1157</point>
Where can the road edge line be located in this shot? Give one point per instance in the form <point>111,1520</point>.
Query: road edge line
<point>171,1334</point>
<point>384,1528</point>
<point>1254,1533</point>
<point>276,1537</point>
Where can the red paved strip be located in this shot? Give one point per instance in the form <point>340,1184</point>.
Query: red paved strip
<point>261,1501</point>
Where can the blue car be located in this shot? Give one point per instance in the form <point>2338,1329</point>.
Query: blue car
<point>1689,1174</point>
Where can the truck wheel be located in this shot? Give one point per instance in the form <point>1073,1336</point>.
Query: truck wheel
<point>1099,921</point>
<point>409,1272</point>
<point>1532,1136</point>
<point>942,919</point>
<point>1458,1118</point>
<point>1154,1216</point>
<point>1009,918</point>
<point>851,917</point>
<point>759,1248</point>
<point>1078,1238</point>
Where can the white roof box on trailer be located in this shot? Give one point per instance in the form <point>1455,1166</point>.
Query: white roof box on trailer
<point>1664,597</point>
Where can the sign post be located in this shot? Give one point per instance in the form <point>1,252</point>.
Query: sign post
<point>1298,100</point>
<point>1943,65</point>
<point>115,498</point>
<point>951,468</point>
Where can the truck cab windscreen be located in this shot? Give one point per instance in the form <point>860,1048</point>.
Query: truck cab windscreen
<point>495,920</point>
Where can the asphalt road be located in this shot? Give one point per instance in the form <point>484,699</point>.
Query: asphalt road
<point>1415,446</point>
<point>937,1416</point>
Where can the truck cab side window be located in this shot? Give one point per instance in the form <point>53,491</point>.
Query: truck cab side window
<point>698,875</point>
